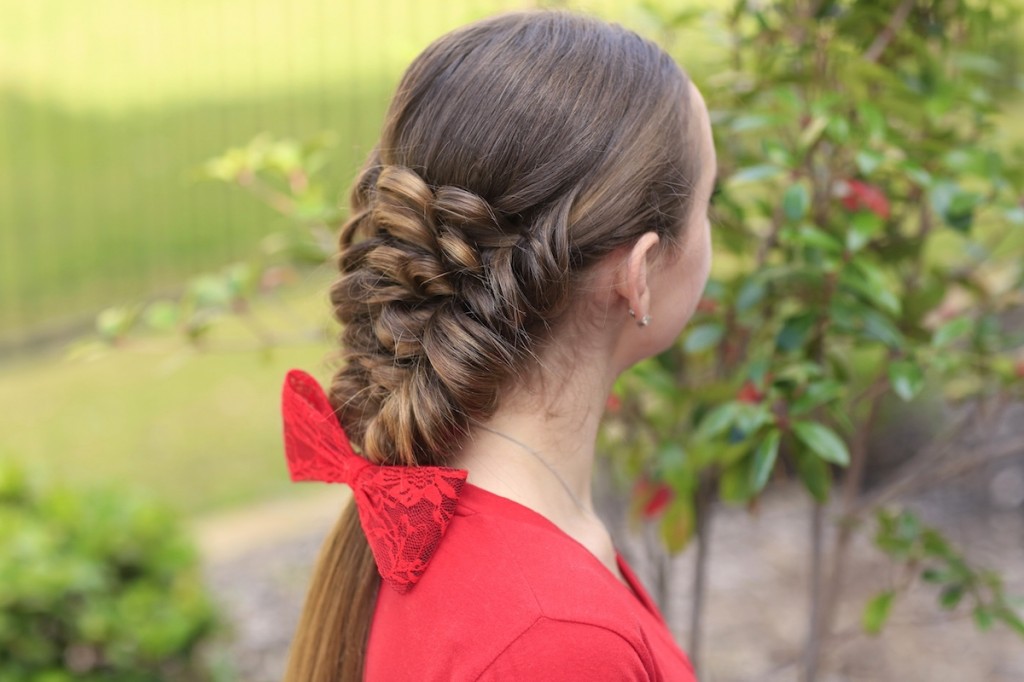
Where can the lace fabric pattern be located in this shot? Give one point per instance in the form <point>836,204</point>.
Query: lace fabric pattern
<point>404,511</point>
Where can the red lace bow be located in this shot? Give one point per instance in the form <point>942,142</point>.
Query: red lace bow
<point>403,510</point>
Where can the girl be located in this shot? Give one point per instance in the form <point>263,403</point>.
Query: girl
<point>532,222</point>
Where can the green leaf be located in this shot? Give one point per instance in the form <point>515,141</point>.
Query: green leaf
<point>924,298</point>
<point>897,534</point>
<point>746,122</point>
<point>817,393</point>
<point>812,132</point>
<point>284,156</point>
<point>871,119</point>
<point>864,226</point>
<point>951,331</point>
<point>734,483</point>
<point>794,332</point>
<point>876,612</point>
<point>871,282</point>
<point>1008,616</point>
<point>750,294</point>
<point>840,417</point>
<point>671,457</point>
<point>795,201</point>
<point>955,205</point>
<point>703,337</point>
<point>212,291</point>
<point>755,174</point>
<point>777,152</point>
<point>917,174</point>
<point>758,369</point>
<point>983,617</point>
<point>677,524</point>
<point>868,161</point>
<point>814,237</point>
<point>822,441</point>
<point>680,476</point>
<point>751,417</point>
<point>241,279</point>
<point>951,596</point>
<point>974,62</point>
<point>655,378</point>
<point>958,160</point>
<point>906,378</point>
<point>798,373</point>
<point>717,420</point>
<point>162,315</point>
<point>838,129</point>
<point>716,452</point>
<point>226,167</point>
<point>936,545</point>
<point>764,460</point>
<point>880,328</point>
<point>114,322</point>
<point>815,475</point>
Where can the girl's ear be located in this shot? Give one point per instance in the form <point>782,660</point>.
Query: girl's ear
<point>632,283</point>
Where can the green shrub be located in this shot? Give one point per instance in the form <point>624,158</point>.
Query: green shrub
<point>96,585</point>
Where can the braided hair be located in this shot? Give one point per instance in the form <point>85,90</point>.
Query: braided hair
<point>516,153</point>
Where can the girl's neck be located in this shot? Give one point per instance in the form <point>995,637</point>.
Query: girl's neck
<point>541,454</point>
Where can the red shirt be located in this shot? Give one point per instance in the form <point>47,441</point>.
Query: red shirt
<point>510,596</point>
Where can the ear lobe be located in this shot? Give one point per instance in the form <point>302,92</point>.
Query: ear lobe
<point>633,287</point>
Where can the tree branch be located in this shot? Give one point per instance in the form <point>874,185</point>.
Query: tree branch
<point>1011,447</point>
<point>899,17</point>
<point>816,634</point>
<point>266,193</point>
<point>704,511</point>
<point>922,470</point>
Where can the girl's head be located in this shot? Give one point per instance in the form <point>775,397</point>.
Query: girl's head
<point>518,153</point>
<point>524,159</point>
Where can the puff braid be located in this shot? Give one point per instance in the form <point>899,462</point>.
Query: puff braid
<point>438,296</point>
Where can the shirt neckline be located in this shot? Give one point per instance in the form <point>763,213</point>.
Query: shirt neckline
<point>474,498</point>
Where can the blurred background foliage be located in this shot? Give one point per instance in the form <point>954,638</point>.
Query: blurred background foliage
<point>108,111</point>
<point>98,585</point>
<point>112,103</point>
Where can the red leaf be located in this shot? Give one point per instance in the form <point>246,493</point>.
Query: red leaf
<point>861,196</point>
<point>707,305</point>
<point>658,501</point>
<point>749,393</point>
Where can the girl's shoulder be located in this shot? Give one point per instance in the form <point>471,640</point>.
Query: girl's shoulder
<point>507,589</point>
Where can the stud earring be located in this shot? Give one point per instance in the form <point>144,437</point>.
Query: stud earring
<point>642,322</point>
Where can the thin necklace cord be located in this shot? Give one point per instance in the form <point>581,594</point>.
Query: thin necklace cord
<point>543,461</point>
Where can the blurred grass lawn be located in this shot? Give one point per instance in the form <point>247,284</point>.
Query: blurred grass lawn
<point>199,430</point>
<point>116,102</point>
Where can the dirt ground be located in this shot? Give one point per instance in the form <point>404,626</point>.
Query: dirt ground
<point>757,603</point>
<point>258,563</point>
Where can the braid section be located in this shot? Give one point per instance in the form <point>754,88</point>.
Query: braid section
<point>435,315</point>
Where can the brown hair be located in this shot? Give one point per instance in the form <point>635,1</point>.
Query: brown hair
<point>517,152</point>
